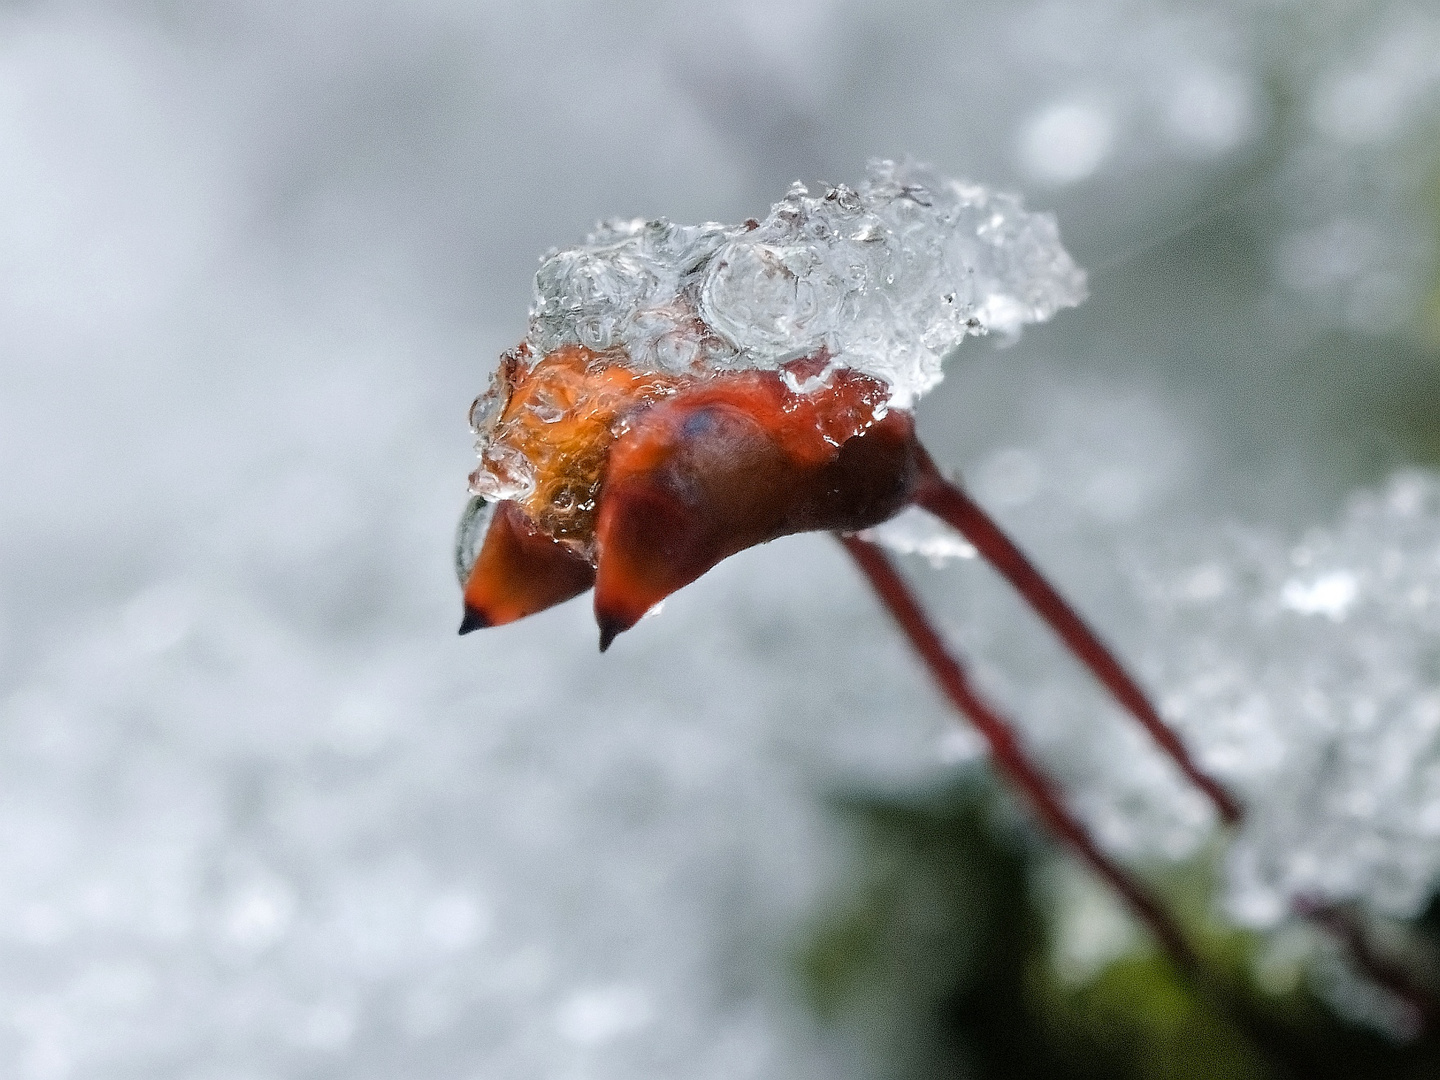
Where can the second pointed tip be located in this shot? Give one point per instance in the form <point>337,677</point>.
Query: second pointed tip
<point>474,620</point>
<point>609,630</point>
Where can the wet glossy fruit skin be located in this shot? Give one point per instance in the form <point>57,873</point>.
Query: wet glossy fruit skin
<point>560,416</point>
<point>520,570</point>
<point>726,462</point>
<point>735,463</point>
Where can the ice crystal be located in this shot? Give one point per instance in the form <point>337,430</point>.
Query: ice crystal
<point>914,532</point>
<point>885,278</point>
<point>1302,670</point>
<point>1314,686</point>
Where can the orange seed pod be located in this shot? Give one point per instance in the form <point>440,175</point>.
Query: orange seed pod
<point>640,483</point>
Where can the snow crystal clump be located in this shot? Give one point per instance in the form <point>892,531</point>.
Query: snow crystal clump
<point>1303,671</point>
<point>885,279</point>
<point>1314,690</point>
<point>914,532</point>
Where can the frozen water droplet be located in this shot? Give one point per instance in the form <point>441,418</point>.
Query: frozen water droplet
<point>544,407</point>
<point>886,278</point>
<point>505,473</point>
<point>799,383</point>
<point>770,298</point>
<point>676,350</point>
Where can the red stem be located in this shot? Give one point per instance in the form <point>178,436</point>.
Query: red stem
<point>1343,925</point>
<point>952,505</point>
<point>1007,752</point>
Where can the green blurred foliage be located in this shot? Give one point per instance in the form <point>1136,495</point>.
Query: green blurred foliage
<point>942,962</point>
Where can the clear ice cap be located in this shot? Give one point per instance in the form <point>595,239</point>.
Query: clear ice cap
<point>886,279</point>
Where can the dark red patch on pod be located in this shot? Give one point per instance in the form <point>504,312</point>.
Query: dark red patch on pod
<point>737,461</point>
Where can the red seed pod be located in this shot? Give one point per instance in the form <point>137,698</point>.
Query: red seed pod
<point>737,461</point>
<point>680,476</point>
<point>520,570</point>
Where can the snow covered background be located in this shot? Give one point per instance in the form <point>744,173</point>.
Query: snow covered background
<point>263,815</point>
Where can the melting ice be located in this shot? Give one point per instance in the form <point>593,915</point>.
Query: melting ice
<point>886,278</point>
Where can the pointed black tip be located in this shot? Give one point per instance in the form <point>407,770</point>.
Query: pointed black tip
<point>609,630</point>
<point>474,620</point>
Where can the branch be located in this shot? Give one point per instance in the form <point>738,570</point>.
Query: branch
<point>1347,930</point>
<point>955,507</point>
<point>952,505</point>
<point>1007,752</point>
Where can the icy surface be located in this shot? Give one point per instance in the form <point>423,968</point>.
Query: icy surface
<point>886,278</point>
<point>1314,687</point>
<point>914,532</point>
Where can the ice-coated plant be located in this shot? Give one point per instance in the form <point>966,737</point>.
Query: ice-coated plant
<point>686,392</point>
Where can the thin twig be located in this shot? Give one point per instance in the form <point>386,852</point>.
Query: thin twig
<point>1346,928</point>
<point>1007,751</point>
<point>1010,756</point>
<point>951,504</point>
